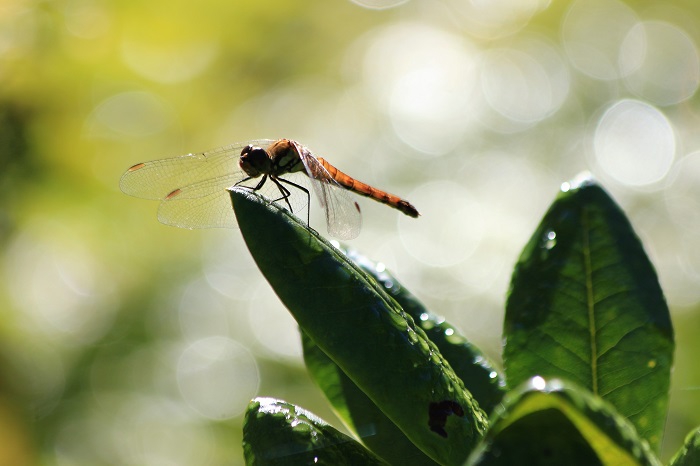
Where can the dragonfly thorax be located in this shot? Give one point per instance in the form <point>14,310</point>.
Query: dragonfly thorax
<point>285,157</point>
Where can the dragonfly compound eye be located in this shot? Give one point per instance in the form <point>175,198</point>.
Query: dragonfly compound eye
<point>254,160</point>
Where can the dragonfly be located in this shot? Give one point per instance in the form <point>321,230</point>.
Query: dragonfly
<point>192,189</point>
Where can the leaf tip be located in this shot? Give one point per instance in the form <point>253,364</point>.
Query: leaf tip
<point>582,180</point>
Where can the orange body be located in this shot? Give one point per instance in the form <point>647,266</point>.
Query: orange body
<point>366,190</point>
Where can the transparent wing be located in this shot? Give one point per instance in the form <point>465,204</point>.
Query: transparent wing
<point>207,204</point>
<point>201,205</point>
<point>192,188</point>
<point>343,218</point>
<point>158,178</point>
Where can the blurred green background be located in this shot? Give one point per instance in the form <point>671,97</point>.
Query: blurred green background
<point>126,342</point>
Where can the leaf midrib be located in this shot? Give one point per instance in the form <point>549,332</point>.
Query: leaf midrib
<point>590,303</point>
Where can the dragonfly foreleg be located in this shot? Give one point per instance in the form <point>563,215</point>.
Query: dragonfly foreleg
<point>308,197</point>
<point>257,187</point>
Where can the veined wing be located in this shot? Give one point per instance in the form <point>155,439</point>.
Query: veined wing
<point>201,205</point>
<point>159,178</point>
<point>207,204</point>
<point>343,217</point>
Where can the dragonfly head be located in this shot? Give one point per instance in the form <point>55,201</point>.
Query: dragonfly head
<point>254,161</point>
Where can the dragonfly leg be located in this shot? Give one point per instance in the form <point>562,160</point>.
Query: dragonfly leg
<point>285,193</point>
<point>308,198</point>
<point>243,181</point>
<point>257,187</point>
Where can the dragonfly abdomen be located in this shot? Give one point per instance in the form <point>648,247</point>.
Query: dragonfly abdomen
<point>366,190</point>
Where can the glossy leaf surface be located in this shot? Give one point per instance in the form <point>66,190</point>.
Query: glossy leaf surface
<point>357,410</point>
<point>279,433</point>
<point>557,423</point>
<point>585,305</point>
<point>477,372</point>
<point>363,330</point>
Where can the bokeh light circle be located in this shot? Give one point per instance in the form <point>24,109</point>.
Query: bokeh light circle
<point>634,143</point>
<point>495,18</point>
<point>379,4</point>
<point>682,197</point>
<point>682,258</point>
<point>131,114</point>
<point>147,429</point>
<point>525,84</point>
<point>447,234</point>
<point>169,63</point>
<point>593,32</point>
<point>424,79</point>
<point>660,63</point>
<point>58,283</point>
<point>217,377</point>
<point>273,326</point>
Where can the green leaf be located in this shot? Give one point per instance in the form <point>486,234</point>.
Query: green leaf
<point>585,305</point>
<point>557,423</point>
<point>689,454</point>
<point>280,433</point>
<point>363,330</point>
<point>357,410</point>
<point>471,365</point>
